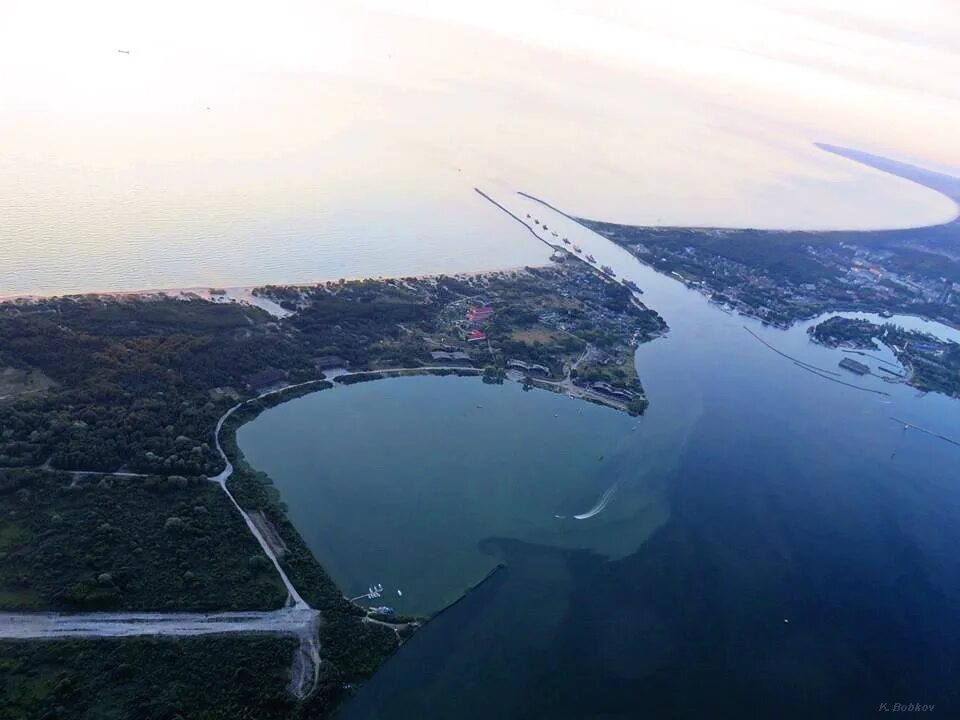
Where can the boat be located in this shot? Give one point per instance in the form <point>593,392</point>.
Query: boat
<point>576,249</point>
<point>566,242</point>
<point>608,270</point>
<point>591,258</point>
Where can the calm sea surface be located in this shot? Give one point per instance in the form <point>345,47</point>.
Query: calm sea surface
<point>802,561</point>
<point>315,141</point>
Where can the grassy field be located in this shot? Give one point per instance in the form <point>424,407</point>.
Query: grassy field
<point>15,382</point>
<point>542,335</point>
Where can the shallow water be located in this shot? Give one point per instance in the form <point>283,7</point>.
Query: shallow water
<point>398,482</point>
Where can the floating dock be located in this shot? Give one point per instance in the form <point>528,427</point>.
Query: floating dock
<point>853,366</point>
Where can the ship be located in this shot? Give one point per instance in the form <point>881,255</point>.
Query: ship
<point>591,258</point>
<point>632,285</point>
<point>608,270</point>
<point>576,249</point>
<point>854,366</point>
<point>566,242</point>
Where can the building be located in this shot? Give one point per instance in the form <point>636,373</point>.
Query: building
<point>476,336</point>
<point>608,389</point>
<point>479,314</point>
<point>528,367</point>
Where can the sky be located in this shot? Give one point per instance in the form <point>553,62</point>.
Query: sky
<point>884,72</point>
<point>699,112</point>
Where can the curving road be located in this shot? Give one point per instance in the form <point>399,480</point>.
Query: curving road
<point>297,618</point>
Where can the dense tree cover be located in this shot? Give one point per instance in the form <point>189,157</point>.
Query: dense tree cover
<point>133,380</point>
<point>210,678</point>
<point>780,253</point>
<point>133,391</point>
<point>942,375</point>
<point>848,331</point>
<point>104,543</point>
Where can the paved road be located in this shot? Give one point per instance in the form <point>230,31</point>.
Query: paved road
<point>51,626</point>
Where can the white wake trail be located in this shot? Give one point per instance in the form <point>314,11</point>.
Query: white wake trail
<point>601,503</point>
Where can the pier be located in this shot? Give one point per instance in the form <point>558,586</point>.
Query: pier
<point>911,426</point>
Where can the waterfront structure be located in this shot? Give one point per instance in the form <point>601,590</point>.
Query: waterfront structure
<point>853,366</point>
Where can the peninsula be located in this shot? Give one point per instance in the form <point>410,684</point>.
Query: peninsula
<point>119,416</point>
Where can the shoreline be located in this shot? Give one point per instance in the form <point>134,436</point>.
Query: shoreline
<point>901,170</point>
<point>905,171</point>
<point>232,291</point>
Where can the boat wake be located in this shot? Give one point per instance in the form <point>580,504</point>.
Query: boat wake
<point>601,503</point>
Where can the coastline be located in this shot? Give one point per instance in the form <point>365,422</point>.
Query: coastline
<point>242,293</point>
<point>930,180</point>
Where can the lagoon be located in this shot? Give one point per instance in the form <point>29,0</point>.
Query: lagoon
<point>400,482</point>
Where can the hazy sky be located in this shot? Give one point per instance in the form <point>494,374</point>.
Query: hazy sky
<point>678,112</point>
<point>882,72</point>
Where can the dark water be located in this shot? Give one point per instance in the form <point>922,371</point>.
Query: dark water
<point>789,497</point>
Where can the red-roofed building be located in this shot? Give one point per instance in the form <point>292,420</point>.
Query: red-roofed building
<point>476,335</point>
<point>479,314</point>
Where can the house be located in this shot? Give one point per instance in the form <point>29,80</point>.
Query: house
<point>528,367</point>
<point>476,336</point>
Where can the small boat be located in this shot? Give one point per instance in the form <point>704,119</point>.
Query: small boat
<point>576,249</point>
<point>566,242</point>
<point>591,258</point>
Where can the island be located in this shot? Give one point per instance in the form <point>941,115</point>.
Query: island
<point>932,365</point>
<point>126,507</point>
<point>782,276</point>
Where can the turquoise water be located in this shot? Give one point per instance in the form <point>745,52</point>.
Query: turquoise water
<point>398,482</point>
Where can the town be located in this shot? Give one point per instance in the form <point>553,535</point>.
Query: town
<point>566,327</point>
<point>781,277</point>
